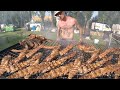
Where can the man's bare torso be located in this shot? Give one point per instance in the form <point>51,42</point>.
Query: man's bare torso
<point>66,28</point>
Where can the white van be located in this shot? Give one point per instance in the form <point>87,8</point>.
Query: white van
<point>100,27</point>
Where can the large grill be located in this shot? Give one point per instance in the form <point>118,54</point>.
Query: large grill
<point>84,56</point>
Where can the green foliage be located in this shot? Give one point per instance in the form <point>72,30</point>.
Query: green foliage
<point>109,17</point>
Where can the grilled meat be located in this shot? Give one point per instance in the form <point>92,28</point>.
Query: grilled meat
<point>86,48</point>
<point>107,52</point>
<point>42,67</point>
<point>53,54</point>
<point>5,60</point>
<point>65,50</point>
<point>18,66</point>
<point>94,56</point>
<point>101,71</point>
<point>62,70</point>
<point>74,69</point>
<point>85,68</point>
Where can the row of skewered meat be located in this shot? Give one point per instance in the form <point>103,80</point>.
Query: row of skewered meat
<point>60,61</point>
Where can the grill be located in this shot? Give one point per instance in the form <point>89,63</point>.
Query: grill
<point>84,56</point>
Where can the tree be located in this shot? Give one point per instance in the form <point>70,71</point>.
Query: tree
<point>87,16</point>
<point>42,16</point>
<point>109,17</point>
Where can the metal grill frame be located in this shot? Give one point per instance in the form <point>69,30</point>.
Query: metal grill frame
<point>7,51</point>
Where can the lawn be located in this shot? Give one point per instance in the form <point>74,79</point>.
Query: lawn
<point>8,39</point>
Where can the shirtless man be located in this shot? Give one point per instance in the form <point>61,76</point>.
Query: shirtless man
<point>66,26</point>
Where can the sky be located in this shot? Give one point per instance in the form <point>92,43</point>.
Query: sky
<point>95,13</point>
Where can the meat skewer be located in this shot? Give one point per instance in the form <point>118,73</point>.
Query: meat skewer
<point>53,54</point>
<point>65,50</point>
<point>107,51</point>
<point>20,57</point>
<point>86,48</point>
<point>63,70</point>
<point>94,56</point>
<point>50,47</point>
<point>39,47</point>
<point>101,71</point>
<point>74,69</point>
<point>15,50</point>
<point>5,60</point>
<point>28,55</point>
<point>18,66</point>
<point>42,67</point>
<point>4,63</point>
<point>85,68</point>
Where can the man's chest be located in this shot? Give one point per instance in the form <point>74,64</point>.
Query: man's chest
<point>66,24</point>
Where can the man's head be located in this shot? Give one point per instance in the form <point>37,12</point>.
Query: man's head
<point>60,14</point>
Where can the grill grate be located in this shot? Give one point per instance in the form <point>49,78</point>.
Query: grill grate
<point>47,52</point>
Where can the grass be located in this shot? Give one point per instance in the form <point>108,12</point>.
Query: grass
<point>8,39</point>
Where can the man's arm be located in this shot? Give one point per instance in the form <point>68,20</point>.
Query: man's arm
<point>80,30</point>
<point>58,33</point>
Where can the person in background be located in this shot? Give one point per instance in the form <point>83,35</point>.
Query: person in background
<point>65,27</point>
<point>33,28</point>
<point>38,28</point>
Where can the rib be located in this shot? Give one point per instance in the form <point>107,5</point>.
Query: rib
<point>107,51</point>
<point>85,68</point>
<point>53,54</point>
<point>19,66</point>
<point>2,71</point>
<point>94,56</point>
<point>74,69</point>
<point>20,57</point>
<point>117,74</point>
<point>33,51</point>
<point>42,67</point>
<point>5,60</point>
<point>30,43</point>
<point>101,71</point>
<point>86,48</point>
<point>62,70</point>
<point>50,47</point>
<point>15,50</point>
<point>65,50</point>
<point>39,47</point>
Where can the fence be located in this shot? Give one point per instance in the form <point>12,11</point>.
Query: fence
<point>114,40</point>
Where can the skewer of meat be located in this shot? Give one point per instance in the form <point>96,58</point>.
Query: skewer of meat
<point>62,70</point>
<point>2,71</point>
<point>20,57</point>
<point>101,71</point>
<point>107,51</point>
<point>65,50</point>
<point>18,66</point>
<point>50,47</point>
<point>41,68</point>
<point>74,69</point>
<point>86,48</point>
<point>85,68</point>
<point>39,47</point>
<point>94,56</point>
<point>46,66</point>
<point>4,63</point>
<point>15,50</point>
<point>5,60</point>
<point>28,55</point>
<point>117,74</point>
<point>53,54</point>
